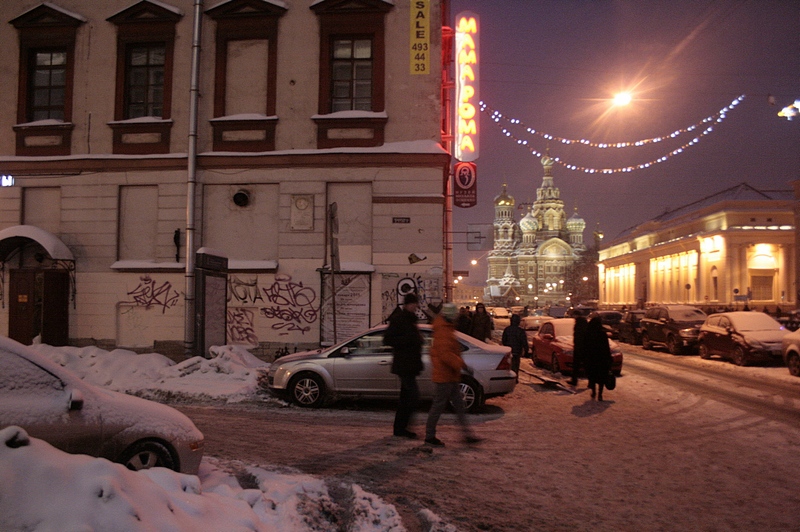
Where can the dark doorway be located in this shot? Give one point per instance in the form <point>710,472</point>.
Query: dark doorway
<point>39,305</point>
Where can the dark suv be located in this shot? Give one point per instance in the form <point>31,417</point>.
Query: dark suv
<point>675,327</point>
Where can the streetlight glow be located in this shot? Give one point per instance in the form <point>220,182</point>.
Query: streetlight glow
<point>623,98</point>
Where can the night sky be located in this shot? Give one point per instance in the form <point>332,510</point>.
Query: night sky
<point>555,65</point>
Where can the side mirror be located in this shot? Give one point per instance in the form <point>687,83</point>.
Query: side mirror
<point>548,336</point>
<point>345,350</point>
<point>75,400</point>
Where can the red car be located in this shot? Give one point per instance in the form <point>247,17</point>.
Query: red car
<point>552,347</point>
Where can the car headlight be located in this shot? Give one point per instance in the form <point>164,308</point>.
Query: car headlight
<point>689,332</point>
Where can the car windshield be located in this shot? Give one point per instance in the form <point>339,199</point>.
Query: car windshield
<point>610,317</point>
<point>754,321</point>
<point>687,314</point>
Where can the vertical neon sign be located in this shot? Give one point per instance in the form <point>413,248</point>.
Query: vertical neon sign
<point>466,101</point>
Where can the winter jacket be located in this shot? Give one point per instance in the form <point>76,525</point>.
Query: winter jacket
<point>446,361</point>
<point>482,326</point>
<point>598,351</point>
<point>515,338</point>
<point>405,339</point>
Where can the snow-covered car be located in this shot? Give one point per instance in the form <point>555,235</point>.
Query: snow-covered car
<point>742,337</point>
<point>55,405</point>
<point>552,346</point>
<point>790,347</point>
<point>676,327</point>
<point>501,317</point>
<point>361,367</point>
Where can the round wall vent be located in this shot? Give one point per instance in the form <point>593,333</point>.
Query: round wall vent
<point>242,198</point>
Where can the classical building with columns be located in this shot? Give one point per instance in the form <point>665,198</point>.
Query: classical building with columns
<point>530,258</point>
<point>729,249</point>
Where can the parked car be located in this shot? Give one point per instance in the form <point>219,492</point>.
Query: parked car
<point>742,337</point>
<point>790,347</point>
<point>791,320</point>
<point>552,347</point>
<point>610,320</point>
<point>53,404</point>
<point>360,367</point>
<point>501,318</point>
<point>580,310</point>
<point>630,328</point>
<point>675,327</point>
<point>531,324</point>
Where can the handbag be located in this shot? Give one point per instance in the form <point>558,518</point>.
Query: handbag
<point>611,381</point>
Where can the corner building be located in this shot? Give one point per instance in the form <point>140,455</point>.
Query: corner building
<point>302,105</point>
<point>530,258</point>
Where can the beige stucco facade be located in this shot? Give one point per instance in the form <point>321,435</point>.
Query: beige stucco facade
<point>734,248</point>
<point>123,216</point>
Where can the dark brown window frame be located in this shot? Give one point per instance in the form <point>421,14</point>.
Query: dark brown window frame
<point>343,19</point>
<point>143,23</point>
<point>244,20</point>
<point>44,28</point>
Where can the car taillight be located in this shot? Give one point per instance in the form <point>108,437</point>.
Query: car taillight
<point>505,364</point>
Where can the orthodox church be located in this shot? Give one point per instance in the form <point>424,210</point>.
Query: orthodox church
<point>530,258</point>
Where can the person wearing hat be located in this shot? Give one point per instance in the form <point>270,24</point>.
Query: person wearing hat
<point>446,367</point>
<point>405,339</point>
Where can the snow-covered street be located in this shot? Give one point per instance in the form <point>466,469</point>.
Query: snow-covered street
<point>651,457</point>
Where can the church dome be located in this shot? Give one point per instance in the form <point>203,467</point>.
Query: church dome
<point>529,224</point>
<point>503,198</point>
<point>576,224</point>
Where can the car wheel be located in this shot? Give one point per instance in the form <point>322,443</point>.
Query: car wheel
<point>554,365</point>
<point>535,359</point>
<point>646,341</point>
<point>673,345</point>
<point>704,352</point>
<point>147,454</point>
<point>307,390</point>
<point>738,357</point>
<point>471,395</point>
<point>793,363</point>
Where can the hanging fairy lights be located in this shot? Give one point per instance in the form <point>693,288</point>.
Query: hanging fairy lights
<point>704,126</point>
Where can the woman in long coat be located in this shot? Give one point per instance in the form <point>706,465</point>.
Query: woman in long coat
<point>598,356</point>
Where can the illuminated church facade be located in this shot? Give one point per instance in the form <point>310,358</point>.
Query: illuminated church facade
<point>530,257</point>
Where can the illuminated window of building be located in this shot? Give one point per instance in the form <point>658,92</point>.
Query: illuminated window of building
<point>145,46</point>
<point>352,71</point>
<point>46,65</point>
<point>761,287</point>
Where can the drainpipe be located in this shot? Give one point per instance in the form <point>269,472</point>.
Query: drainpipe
<point>191,183</point>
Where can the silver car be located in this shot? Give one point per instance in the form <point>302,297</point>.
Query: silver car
<point>361,367</point>
<point>54,405</point>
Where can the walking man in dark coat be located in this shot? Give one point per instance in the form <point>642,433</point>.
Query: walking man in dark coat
<point>515,338</point>
<point>406,342</point>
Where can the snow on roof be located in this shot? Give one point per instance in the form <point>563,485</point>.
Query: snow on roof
<point>142,119</point>
<point>155,3</point>
<point>146,265</point>
<point>278,3</point>
<point>50,242</point>
<point>740,192</point>
<point>243,116</point>
<point>59,9</point>
<point>350,114</point>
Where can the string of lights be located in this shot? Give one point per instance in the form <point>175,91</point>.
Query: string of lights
<point>708,122</point>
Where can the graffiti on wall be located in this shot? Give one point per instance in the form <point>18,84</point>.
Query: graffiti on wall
<point>241,330</point>
<point>244,291</point>
<point>291,303</point>
<point>148,294</point>
<point>427,288</point>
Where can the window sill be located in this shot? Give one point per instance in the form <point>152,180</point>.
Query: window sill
<point>350,129</point>
<point>44,137</point>
<point>250,133</point>
<point>140,136</point>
